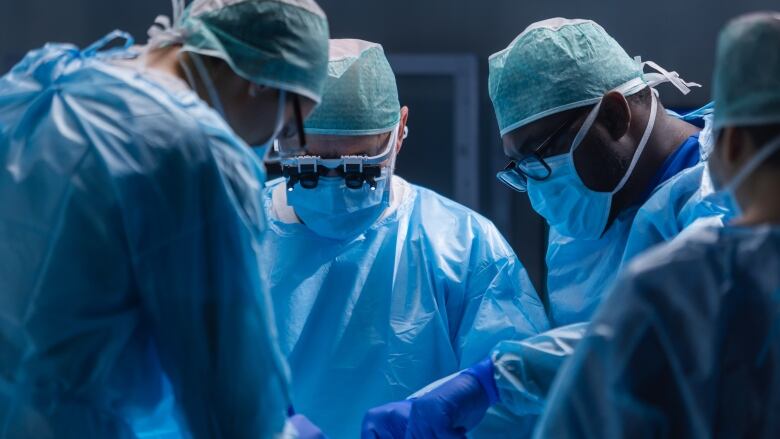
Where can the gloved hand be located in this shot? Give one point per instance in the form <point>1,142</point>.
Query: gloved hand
<point>448,411</point>
<point>387,421</point>
<point>305,428</point>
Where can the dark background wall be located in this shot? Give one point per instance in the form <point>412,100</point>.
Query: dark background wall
<point>678,34</point>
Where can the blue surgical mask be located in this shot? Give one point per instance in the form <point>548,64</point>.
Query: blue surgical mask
<point>334,211</point>
<point>568,205</point>
<point>725,194</point>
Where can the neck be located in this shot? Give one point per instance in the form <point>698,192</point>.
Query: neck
<point>759,196</point>
<point>668,134</point>
<point>166,60</point>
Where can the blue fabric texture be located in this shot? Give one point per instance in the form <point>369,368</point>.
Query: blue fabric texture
<point>425,291</point>
<point>130,214</point>
<point>525,370</point>
<point>685,346</point>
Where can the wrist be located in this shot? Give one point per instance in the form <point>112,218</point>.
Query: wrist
<point>484,372</point>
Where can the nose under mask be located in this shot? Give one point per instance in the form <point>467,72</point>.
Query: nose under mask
<point>563,199</point>
<point>334,211</point>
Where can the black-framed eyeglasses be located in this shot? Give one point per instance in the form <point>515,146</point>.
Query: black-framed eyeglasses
<point>308,175</point>
<point>517,172</point>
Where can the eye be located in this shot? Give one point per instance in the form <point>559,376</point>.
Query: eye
<point>289,131</point>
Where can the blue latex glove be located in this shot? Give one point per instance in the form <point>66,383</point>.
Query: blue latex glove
<point>448,411</point>
<point>387,421</point>
<point>306,430</point>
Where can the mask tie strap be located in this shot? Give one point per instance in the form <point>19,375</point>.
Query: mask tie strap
<point>95,47</point>
<point>761,156</point>
<point>164,32</point>
<point>641,146</point>
<point>664,75</point>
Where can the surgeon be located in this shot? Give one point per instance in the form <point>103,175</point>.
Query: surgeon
<point>130,217</point>
<point>687,344</point>
<point>379,286</point>
<point>611,171</point>
<point>607,167</point>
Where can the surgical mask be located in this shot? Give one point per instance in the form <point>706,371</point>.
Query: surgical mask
<point>725,195</point>
<point>563,199</point>
<point>332,208</point>
<point>334,211</point>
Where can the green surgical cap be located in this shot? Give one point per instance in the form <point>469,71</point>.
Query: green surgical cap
<point>553,66</point>
<point>360,96</point>
<point>277,43</point>
<point>746,87</point>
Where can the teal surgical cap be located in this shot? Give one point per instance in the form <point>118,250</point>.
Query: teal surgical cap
<point>360,96</point>
<point>277,43</point>
<point>553,66</point>
<point>746,87</point>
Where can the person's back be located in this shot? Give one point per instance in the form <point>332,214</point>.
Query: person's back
<point>686,347</point>
<point>90,232</point>
<point>130,216</point>
<point>687,344</point>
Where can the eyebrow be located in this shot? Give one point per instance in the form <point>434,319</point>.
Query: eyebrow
<point>559,129</point>
<point>527,145</point>
<point>332,151</point>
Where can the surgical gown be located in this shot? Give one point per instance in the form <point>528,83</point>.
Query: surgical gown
<point>427,290</point>
<point>130,216</point>
<point>687,345</point>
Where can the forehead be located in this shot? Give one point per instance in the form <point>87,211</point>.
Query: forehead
<point>336,146</point>
<point>525,139</point>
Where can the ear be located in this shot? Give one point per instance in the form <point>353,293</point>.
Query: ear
<point>615,115</point>
<point>728,145</point>
<point>724,158</point>
<point>401,128</point>
<point>736,147</point>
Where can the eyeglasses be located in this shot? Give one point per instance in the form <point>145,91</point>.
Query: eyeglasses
<point>308,174</point>
<point>356,170</point>
<point>517,172</point>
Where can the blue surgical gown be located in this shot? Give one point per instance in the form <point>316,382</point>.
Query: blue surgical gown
<point>425,291</point>
<point>130,218</point>
<point>687,345</point>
